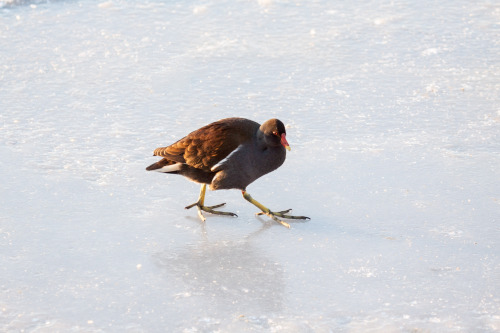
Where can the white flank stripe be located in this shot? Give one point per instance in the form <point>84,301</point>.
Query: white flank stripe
<point>170,168</point>
<point>225,158</point>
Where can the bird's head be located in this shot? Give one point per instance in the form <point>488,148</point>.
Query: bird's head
<point>275,133</point>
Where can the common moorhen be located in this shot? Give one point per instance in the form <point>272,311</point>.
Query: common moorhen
<point>228,154</point>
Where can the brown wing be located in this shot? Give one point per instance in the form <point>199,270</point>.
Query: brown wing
<point>210,144</point>
<point>173,152</point>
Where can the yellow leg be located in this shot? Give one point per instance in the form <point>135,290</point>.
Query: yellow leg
<point>200,205</point>
<point>201,197</point>
<point>273,215</point>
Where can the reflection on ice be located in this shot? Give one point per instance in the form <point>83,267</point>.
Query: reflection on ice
<point>235,277</point>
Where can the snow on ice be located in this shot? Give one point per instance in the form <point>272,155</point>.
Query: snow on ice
<point>393,115</point>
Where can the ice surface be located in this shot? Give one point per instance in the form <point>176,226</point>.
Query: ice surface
<point>393,116</point>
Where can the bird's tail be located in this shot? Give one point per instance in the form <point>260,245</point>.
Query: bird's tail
<point>164,165</point>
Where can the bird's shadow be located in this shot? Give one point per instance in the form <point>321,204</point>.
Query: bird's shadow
<point>226,275</point>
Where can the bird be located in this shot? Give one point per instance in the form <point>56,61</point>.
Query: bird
<point>230,153</point>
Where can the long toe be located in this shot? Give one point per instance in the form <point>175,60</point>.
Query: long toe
<point>216,206</point>
<point>216,212</point>
<point>292,217</point>
<point>275,215</point>
<point>209,209</point>
<point>200,214</point>
<point>280,213</point>
<point>283,214</point>
<point>192,205</point>
<point>283,223</point>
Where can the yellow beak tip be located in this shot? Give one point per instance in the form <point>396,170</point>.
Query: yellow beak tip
<point>288,148</point>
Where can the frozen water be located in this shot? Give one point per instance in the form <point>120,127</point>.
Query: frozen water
<point>393,116</point>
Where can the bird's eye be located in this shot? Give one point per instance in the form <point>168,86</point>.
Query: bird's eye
<point>276,133</point>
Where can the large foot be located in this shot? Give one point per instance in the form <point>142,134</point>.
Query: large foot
<point>275,215</point>
<point>271,214</point>
<point>209,209</point>
<point>200,205</point>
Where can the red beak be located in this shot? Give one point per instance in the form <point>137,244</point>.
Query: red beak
<point>284,142</point>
